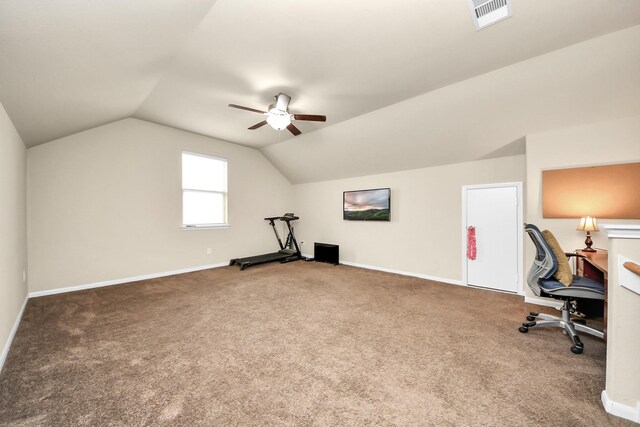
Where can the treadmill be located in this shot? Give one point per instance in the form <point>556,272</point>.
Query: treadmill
<point>289,251</point>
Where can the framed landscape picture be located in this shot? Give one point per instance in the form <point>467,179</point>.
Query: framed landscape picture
<point>367,205</point>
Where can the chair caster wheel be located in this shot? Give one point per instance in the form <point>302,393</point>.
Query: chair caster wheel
<point>523,329</point>
<point>531,318</point>
<point>577,349</point>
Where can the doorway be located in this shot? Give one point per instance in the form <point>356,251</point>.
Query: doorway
<point>492,218</point>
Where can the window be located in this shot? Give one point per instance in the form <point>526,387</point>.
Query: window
<point>204,190</point>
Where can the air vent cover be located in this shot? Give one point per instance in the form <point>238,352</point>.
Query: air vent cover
<point>486,13</point>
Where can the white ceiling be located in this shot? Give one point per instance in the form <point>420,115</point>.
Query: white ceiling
<point>346,58</point>
<point>483,117</point>
<point>69,65</point>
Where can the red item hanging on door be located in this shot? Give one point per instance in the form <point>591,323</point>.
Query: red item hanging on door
<point>471,243</point>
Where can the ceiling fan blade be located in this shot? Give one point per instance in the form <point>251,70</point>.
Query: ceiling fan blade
<point>258,125</point>
<point>310,117</point>
<point>294,130</point>
<point>240,107</point>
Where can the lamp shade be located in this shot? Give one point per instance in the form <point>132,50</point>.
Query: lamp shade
<point>588,223</point>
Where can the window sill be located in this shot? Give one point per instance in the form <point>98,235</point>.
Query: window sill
<point>203,227</point>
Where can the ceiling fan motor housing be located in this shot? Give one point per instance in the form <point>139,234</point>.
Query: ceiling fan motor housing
<point>282,101</point>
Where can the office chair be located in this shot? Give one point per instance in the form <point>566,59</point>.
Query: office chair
<point>541,281</point>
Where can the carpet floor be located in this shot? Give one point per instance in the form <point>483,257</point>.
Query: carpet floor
<point>295,344</point>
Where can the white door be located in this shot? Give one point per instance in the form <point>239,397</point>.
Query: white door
<point>493,213</point>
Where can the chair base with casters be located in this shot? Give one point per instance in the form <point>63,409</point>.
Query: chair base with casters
<point>569,326</point>
<point>540,279</point>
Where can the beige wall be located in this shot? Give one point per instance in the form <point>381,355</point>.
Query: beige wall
<point>424,234</point>
<point>594,144</point>
<point>105,204</point>
<point>13,228</point>
<point>623,339</point>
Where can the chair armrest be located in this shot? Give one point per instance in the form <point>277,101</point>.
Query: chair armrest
<point>569,255</point>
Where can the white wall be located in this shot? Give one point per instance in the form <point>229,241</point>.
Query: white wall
<point>424,234</point>
<point>105,204</point>
<point>623,339</point>
<point>13,229</point>
<point>608,142</point>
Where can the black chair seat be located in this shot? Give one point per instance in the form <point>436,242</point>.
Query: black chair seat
<point>550,285</point>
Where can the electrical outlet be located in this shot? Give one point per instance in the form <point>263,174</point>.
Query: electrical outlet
<point>24,276</point>
<point>208,251</point>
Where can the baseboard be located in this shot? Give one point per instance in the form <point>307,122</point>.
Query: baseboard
<point>620,410</point>
<point>404,273</point>
<point>391,270</point>
<point>547,302</point>
<point>36,294</point>
<point>12,334</point>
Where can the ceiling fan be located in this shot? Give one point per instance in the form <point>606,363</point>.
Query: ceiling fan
<point>278,116</point>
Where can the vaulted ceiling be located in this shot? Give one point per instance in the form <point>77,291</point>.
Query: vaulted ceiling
<point>69,65</point>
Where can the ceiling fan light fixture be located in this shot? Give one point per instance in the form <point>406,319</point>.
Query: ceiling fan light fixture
<point>278,116</point>
<point>278,119</point>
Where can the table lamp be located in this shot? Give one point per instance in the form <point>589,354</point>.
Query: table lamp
<point>588,224</point>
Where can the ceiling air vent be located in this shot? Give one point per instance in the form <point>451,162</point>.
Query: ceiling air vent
<point>486,13</point>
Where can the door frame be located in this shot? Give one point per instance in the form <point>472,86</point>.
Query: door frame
<point>520,234</point>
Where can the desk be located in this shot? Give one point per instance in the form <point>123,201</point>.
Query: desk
<point>595,266</point>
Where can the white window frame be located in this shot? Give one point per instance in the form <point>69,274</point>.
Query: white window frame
<point>224,194</point>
